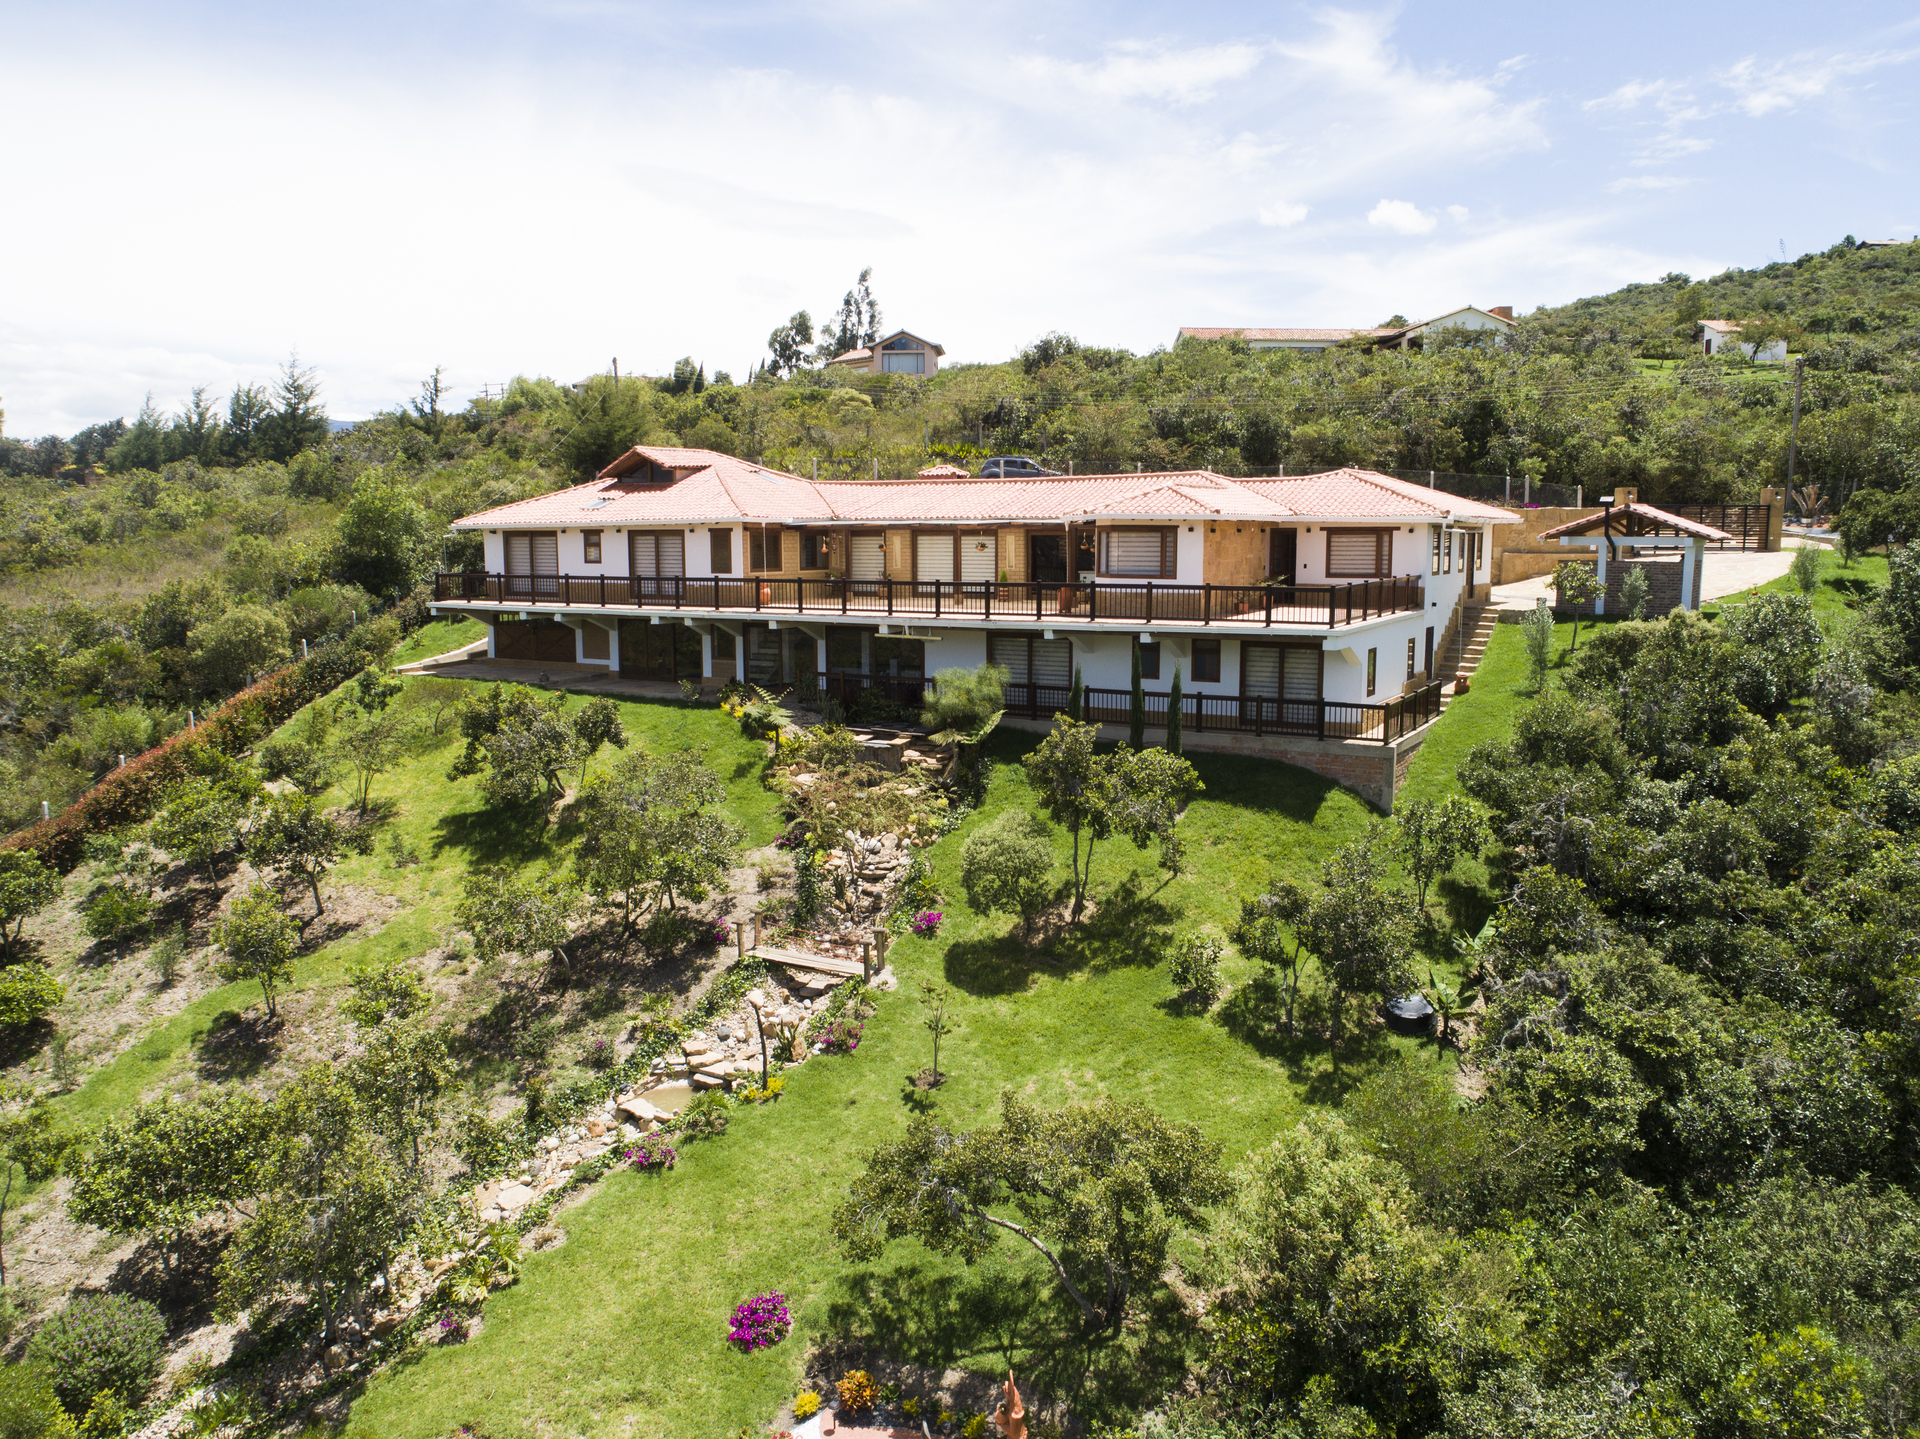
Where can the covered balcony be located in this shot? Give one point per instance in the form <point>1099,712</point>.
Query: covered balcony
<point>1121,603</point>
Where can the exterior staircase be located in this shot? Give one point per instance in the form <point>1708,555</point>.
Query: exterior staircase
<point>1468,646</point>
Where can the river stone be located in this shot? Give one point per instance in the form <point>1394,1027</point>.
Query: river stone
<point>515,1196</point>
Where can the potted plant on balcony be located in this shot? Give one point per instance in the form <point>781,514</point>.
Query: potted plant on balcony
<point>1005,593</point>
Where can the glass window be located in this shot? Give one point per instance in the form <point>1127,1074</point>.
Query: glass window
<point>1145,554</point>
<point>1433,532</point>
<point>1355,554</point>
<point>1411,652</point>
<point>1149,660</point>
<point>893,655</point>
<point>813,549</point>
<point>844,648</point>
<point>901,342</point>
<point>722,642</point>
<point>1373,670</point>
<point>915,364</point>
<point>722,557</point>
<point>1206,661</point>
<point>764,548</point>
<point>590,542</point>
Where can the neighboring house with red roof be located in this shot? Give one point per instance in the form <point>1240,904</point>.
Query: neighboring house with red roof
<point>1498,318</point>
<point>1299,612</point>
<point>1723,337</point>
<point>901,353</point>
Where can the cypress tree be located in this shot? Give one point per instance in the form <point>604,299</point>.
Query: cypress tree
<point>1174,740</point>
<point>1137,709</point>
<point>1075,700</point>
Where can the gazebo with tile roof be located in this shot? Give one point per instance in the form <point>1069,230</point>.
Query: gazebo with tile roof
<point>1639,527</point>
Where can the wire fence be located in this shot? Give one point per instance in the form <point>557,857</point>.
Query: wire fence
<point>1516,491</point>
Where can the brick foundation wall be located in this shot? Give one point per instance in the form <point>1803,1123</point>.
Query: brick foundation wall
<point>1663,586</point>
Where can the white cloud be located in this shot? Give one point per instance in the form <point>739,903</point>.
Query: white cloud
<point>1282,213</point>
<point>1760,88</point>
<point>1648,182</point>
<point>1458,214</point>
<point>1139,70</point>
<point>1403,217</point>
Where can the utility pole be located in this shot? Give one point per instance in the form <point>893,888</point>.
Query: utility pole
<point>616,372</point>
<point>1793,434</point>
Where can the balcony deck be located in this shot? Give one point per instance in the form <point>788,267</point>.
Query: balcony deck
<point>1120,603</point>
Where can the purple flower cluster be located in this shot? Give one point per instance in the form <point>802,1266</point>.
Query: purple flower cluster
<point>842,1037</point>
<point>452,1330</point>
<point>652,1152</point>
<point>761,1322</point>
<point>926,924</point>
<point>722,933</point>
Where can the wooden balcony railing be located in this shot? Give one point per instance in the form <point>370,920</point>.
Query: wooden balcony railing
<point>1126,602</point>
<point>1199,713</point>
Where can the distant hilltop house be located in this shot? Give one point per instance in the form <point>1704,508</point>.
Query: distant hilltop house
<point>901,353</point>
<point>1498,318</point>
<point>1719,337</point>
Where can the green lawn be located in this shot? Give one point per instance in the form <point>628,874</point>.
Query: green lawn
<point>1842,588</point>
<point>621,1330</point>
<point>437,638</point>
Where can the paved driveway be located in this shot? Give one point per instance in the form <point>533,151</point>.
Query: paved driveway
<point>1726,572</point>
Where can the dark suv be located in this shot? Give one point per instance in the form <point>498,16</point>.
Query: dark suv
<point>1013,467</point>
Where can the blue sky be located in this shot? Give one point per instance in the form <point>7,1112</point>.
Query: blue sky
<point>194,190</point>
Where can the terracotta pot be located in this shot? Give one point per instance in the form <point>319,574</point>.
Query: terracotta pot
<point>1461,685</point>
<point>766,593</point>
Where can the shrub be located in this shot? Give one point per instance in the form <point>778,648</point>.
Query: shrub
<point>598,1055</point>
<point>111,1342</point>
<point>760,1322</point>
<point>842,1037</point>
<point>1805,569</point>
<point>1007,866</point>
<point>117,913</point>
<point>1194,966</point>
<point>29,1408</point>
<point>27,993</point>
<point>652,1152</point>
<point>926,924</point>
<point>1537,629</point>
<point>858,1391</point>
<point>1633,592</point>
<point>705,1116</point>
<point>806,1404</point>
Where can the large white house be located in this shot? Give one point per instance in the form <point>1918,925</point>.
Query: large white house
<point>1718,337</point>
<point>1496,318</point>
<point>1308,610</point>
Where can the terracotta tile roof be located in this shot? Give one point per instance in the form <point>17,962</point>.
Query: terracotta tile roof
<point>727,490</point>
<point>1367,494</point>
<point>1641,518</point>
<point>1250,334</point>
<point>1724,327</point>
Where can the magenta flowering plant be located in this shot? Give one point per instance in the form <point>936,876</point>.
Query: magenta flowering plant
<point>842,1037</point>
<point>760,1322</point>
<point>652,1152</point>
<point>722,933</point>
<point>926,924</point>
<point>452,1330</point>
